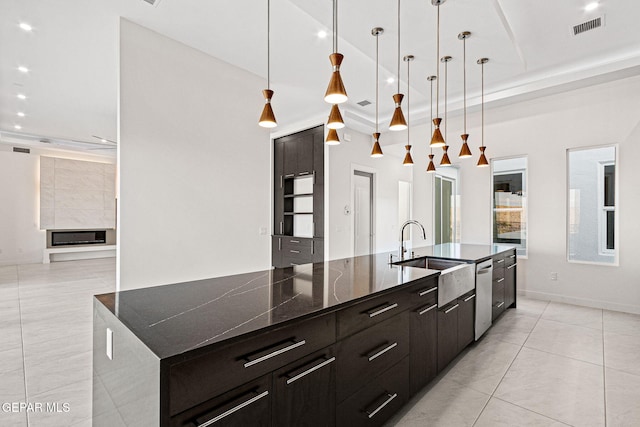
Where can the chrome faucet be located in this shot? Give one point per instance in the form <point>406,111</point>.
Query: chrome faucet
<point>402,249</point>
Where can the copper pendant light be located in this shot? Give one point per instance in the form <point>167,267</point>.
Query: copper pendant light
<point>482,161</point>
<point>408,160</point>
<point>376,151</point>
<point>397,121</point>
<point>437,140</point>
<point>432,167</point>
<point>335,118</point>
<point>465,152</point>
<point>336,93</point>
<point>332,137</point>
<point>445,157</point>
<point>267,118</point>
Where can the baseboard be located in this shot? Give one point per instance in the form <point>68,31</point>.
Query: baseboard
<point>585,302</point>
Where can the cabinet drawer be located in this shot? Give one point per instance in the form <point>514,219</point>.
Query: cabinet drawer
<point>303,246</point>
<point>426,293</point>
<point>379,400</point>
<point>365,354</point>
<point>197,380</point>
<point>305,391</point>
<point>498,273</point>
<point>367,313</point>
<point>497,300</point>
<point>292,258</point>
<point>510,259</point>
<point>249,404</point>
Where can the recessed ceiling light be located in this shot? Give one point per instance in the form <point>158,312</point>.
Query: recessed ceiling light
<point>103,140</point>
<point>21,96</point>
<point>20,114</point>
<point>390,80</point>
<point>591,6</point>
<point>23,69</point>
<point>322,34</point>
<point>25,26</point>
<point>17,127</point>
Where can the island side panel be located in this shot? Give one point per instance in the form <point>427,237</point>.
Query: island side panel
<point>126,388</point>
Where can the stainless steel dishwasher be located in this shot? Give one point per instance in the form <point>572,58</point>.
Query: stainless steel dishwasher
<point>484,274</point>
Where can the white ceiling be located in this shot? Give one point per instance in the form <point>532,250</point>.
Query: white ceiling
<point>72,54</point>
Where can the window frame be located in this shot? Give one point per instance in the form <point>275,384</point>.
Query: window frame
<point>522,251</point>
<point>616,251</point>
<point>603,209</point>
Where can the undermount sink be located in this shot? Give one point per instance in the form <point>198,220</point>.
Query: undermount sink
<point>456,277</point>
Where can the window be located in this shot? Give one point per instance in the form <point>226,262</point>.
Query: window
<point>446,207</point>
<point>510,203</point>
<point>592,201</point>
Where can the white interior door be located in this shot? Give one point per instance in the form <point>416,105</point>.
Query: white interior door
<point>363,212</point>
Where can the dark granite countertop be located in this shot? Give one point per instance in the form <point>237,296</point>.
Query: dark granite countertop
<point>460,251</point>
<point>174,319</point>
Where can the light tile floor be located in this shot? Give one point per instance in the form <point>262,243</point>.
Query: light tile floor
<point>542,364</point>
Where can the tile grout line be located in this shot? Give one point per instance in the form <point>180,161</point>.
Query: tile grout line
<point>534,412</point>
<point>24,361</point>
<point>509,367</point>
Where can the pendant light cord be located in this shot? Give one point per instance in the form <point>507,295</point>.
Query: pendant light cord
<point>377,66</point>
<point>335,26</point>
<point>431,114</point>
<point>408,101</point>
<point>268,44</point>
<point>446,85</point>
<point>438,65</point>
<point>482,102</point>
<point>398,46</point>
<point>464,80</point>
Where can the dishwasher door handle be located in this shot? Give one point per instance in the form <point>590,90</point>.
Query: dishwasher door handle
<point>485,270</point>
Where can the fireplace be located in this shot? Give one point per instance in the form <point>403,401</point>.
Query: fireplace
<point>78,237</point>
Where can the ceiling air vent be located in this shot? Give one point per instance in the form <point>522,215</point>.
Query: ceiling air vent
<point>21,150</point>
<point>589,25</point>
<point>364,103</point>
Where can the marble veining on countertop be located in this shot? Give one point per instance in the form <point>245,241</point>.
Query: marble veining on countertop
<point>173,319</point>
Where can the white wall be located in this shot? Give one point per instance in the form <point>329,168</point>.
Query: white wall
<point>194,178</point>
<point>543,129</point>
<point>388,171</point>
<point>21,240</point>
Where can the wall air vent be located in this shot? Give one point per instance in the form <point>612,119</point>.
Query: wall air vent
<point>152,2</point>
<point>364,103</point>
<point>589,25</point>
<point>21,150</point>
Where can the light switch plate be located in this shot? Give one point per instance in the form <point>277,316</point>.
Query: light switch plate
<point>109,344</point>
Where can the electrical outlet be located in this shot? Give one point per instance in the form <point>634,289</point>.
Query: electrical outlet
<point>109,344</point>
<point>554,275</point>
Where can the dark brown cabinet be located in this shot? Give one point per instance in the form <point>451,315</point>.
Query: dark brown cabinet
<point>304,391</point>
<point>298,181</point>
<point>510,281</point>
<point>447,334</point>
<point>424,345</point>
<point>466,320</point>
<point>504,282</point>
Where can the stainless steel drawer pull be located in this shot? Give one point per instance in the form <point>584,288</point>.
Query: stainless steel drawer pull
<point>275,353</point>
<point>303,173</point>
<point>294,241</point>
<point>382,310</point>
<point>512,256</point>
<point>427,309</point>
<point>310,370</point>
<point>501,280</point>
<point>383,351</point>
<point>470,297</point>
<point>428,291</point>
<point>385,403</point>
<point>290,175</point>
<point>499,261</point>
<point>452,308</point>
<point>294,252</point>
<point>511,266</point>
<point>234,409</point>
<point>500,305</point>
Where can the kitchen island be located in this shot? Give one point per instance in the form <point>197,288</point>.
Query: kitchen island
<point>333,343</point>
